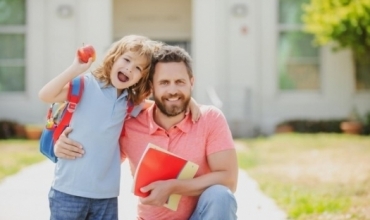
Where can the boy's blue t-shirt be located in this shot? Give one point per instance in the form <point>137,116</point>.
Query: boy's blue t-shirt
<point>97,123</point>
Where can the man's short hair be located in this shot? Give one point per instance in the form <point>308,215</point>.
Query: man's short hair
<point>169,54</point>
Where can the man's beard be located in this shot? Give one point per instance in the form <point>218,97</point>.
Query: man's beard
<point>171,110</point>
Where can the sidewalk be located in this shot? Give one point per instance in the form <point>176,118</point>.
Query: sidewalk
<point>25,196</point>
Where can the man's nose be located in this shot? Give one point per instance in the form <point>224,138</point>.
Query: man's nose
<point>172,88</point>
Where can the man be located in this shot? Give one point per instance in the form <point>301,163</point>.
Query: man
<point>207,143</point>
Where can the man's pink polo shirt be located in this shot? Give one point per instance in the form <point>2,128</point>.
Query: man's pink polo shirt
<point>192,141</point>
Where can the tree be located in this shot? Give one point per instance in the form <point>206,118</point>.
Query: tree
<point>347,24</point>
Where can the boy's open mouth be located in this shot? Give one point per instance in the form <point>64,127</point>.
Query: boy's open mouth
<point>122,77</point>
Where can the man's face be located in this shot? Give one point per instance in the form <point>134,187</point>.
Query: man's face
<point>171,88</point>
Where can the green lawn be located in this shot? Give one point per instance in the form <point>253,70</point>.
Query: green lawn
<point>16,154</point>
<point>311,177</point>
<point>318,176</point>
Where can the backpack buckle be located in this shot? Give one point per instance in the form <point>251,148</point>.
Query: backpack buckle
<point>71,107</point>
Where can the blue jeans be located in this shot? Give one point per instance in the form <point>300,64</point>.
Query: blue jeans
<point>68,207</point>
<point>216,203</point>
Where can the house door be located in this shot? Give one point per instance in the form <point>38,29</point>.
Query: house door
<point>169,22</point>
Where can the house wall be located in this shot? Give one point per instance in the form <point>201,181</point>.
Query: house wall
<point>225,51</point>
<point>336,97</point>
<point>53,37</point>
<point>240,67</point>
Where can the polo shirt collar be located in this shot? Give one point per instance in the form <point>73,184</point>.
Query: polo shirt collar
<point>184,125</point>
<point>103,85</point>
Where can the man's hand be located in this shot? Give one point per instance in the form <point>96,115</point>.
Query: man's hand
<point>159,193</point>
<point>66,148</point>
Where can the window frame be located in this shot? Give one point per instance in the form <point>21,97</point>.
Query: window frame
<point>16,29</point>
<point>285,28</point>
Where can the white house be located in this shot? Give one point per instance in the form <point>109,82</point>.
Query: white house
<point>251,58</point>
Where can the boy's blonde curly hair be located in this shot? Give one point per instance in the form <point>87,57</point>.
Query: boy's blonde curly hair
<point>141,45</point>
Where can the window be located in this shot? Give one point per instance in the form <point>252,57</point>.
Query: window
<point>183,44</point>
<point>12,45</point>
<point>298,59</point>
<point>362,67</point>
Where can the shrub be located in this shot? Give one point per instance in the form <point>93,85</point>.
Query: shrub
<point>11,130</point>
<point>314,126</point>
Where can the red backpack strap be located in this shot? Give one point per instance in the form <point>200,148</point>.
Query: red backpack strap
<point>76,87</point>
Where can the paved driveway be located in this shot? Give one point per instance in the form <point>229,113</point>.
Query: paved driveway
<point>24,196</point>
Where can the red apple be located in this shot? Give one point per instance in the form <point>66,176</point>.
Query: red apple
<point>85,52</point>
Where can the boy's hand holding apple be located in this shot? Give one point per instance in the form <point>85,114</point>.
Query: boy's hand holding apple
<point>85,56</point>
<point>85,52</point>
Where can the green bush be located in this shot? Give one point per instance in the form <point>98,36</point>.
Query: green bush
<point>346,22</point>
<point>314,126</point>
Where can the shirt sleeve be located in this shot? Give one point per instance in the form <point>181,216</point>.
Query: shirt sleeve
<point>122,153</point>
<point>88,78</point>
<point>219,134</point>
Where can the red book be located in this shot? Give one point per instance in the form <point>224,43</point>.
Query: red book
<point>160,164</point>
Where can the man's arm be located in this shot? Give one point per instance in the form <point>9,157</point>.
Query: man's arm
<point>221,159</point>
<point>224,171</point>
<point>69,149</point>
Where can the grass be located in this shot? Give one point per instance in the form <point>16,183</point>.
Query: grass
<point>313,177</point>
<point>17,154</point>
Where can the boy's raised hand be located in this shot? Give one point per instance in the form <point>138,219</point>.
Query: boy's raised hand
<point>80,66</point>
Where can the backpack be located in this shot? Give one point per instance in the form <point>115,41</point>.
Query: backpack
<point>58,117</point>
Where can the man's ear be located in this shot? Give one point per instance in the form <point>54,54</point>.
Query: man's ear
<point>192,82</point>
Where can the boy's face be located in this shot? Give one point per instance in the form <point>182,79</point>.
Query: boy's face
<point>127,70</point>
<point>171,88</point>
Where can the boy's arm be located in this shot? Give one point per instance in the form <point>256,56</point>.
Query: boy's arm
<point>147,103</point>
<point>139,108</point>
<point>56,90</point>
<point>194,110</point>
